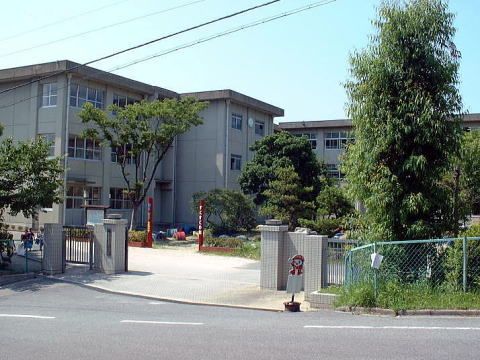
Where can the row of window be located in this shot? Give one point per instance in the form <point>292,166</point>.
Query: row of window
<point>79,195</point>
<point>334,172</point>
<point>237,121</point>
<point>80,94</point>
<point>333,140</point>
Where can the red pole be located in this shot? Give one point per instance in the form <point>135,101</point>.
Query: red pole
<point>150,222</point>
<point>201,213</point>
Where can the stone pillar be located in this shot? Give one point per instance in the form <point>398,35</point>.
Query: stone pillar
<point>53,254</point>
<point>272,259</point>
<point>110,246</point>
<point>315,248</point>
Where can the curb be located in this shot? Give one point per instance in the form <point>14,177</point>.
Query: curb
<point>149,297</point>
<point>10,279</point>
<point>424,312</point>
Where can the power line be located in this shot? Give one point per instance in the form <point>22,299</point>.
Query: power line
<point>62,20</point>
<point>141,45</point>
<point>100,28</point>
<point>199,41</point>
<point>224,33</point>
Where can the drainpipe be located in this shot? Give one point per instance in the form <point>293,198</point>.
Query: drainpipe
<point>65,160</point>
<point>227,149</point>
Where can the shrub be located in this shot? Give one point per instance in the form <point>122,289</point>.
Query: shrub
<point>323,226</point>
<point>137,236</point>
<point>454,261</point>
<point>229,242</point>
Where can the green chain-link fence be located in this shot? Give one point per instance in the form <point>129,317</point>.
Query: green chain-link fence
<point>442,264</point>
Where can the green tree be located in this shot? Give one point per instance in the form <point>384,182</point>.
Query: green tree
<point>284,197</point>
<point>226,211</point>
<point>141,134</point>
<point>405,106</point>
<point>30,178</point>
<point>281,150</point>
<point>332,202</point>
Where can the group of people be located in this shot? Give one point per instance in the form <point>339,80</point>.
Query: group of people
<point>28,237</point>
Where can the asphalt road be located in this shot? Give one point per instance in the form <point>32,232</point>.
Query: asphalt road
<point>41,319</point>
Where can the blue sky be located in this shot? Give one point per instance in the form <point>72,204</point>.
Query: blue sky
<point>298,63</point>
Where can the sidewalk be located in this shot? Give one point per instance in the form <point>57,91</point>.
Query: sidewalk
<point>184,275</point>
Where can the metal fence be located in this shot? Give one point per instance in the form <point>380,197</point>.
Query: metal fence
<point>444,264</point>
<point>78,245</point>
<point>18,256</point>
<point>337,250</point>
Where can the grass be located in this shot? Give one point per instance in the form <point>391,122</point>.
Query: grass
<point>248,250</point>
<point>399,297</point>
<point>332,289</point>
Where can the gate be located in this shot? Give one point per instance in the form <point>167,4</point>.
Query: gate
<point>337,250</point>
<point>78,245</point>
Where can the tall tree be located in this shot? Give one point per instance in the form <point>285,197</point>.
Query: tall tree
<point>405,107</point>
<point>285,198</point>
<point>141,135</point>
<point>276,151</point>
<point>30,178</point>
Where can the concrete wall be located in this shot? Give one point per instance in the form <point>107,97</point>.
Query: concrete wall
<point>278,245</point>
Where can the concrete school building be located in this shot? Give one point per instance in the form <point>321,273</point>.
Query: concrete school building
<point>208,156</point>
<point>328,137</point>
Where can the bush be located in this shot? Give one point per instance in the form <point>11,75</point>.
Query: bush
<point>454,261</point>
<point>137,236</point>
<point>229,242</point>
<point>323,226</point>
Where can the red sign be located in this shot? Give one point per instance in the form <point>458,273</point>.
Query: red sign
<point>150,222</point>
<point>201,215</point>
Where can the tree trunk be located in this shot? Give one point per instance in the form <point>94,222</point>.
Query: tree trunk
<point>133,217</point>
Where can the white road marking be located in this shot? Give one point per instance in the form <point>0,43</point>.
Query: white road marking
<point>161,322</point>
<point>156,303</point>
<point>27,316</point>
<point>390,327</point>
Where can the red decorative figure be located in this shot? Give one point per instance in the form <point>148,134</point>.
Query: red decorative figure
<point>297,264</point>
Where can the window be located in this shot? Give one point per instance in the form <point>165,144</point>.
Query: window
<point>337,139</point>
<point>123,152</point>
<point>119,199</point>
<point>123,100</point>
<point>79,148</point>
<point>49,95</point>
<point>50,139</point>
<point>259,128</point>
<point>78,195</point>
<point>311,137</point>
<point>235,162</point>
<point>334,172</point>
<point>80,94</point>
<point>237,121</point>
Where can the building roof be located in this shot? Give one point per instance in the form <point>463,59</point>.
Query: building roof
<point>339,123</point>
<point>237,98</point>
<point>40,70</point>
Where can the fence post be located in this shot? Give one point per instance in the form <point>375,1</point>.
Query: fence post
<point>465,260</point>
<point>375,273</point>
<point>90,250</point>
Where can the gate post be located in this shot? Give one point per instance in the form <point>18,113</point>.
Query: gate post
<point>109,239</point>
<point>53,254</point>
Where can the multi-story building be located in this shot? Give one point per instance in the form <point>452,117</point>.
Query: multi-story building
<point>328,137</point>
<point>206,157</point>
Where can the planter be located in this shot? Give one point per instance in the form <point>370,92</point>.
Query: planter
<point>292,306</point>
<point>216,249</point>
<point>140,244</point>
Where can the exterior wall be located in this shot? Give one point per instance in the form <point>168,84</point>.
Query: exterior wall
<point>201,164</point>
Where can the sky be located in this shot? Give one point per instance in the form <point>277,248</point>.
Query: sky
<point>298,63</point>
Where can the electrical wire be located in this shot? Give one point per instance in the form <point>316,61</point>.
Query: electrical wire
<point>41,27</point>
<point>199,41</point>
<point>224,33</point>
<point>141,45</point>
<point>100,28</point>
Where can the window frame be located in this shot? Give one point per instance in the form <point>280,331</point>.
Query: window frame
<point>80,148</point>
<point>261,124</point>
<point>125,203</point>
<point>237,121</point>
<point>98,101</point>
<point>235,162</point>
<point>75,200</point>
<point>49,95</point>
